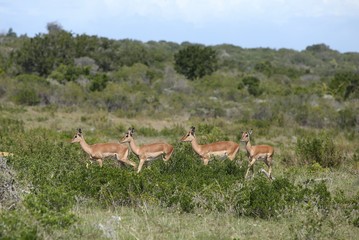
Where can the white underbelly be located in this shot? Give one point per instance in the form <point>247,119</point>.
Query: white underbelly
<point>102,155</point>
<point>153,156</point>
<point>262,156</point>
<point>219,154</point>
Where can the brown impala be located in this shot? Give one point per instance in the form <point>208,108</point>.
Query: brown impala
<point>100,151</point>
<point>147,152</point>
<point>220,149</point>
<point>254,153</point>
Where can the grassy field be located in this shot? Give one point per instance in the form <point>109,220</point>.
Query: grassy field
<point>58,198</point>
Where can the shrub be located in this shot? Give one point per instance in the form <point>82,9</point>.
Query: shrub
<point>99,82</point>
<point>253,85</point>
<point>52,207</point>
<point>264,199</point>
<point>65,73</point>
<point>17,225</point>
<point>345,84</point>
<point>196,61</point>
<point>319,149</point>
<point>347,119</point>
<point>26,96</point>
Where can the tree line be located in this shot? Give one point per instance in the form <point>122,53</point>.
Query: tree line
<point>96,62</point>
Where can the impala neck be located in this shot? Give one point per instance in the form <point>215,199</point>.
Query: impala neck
<point>248,146</point>
<point>196,147</point>
<point>135,149</point>
<point>85,146</point>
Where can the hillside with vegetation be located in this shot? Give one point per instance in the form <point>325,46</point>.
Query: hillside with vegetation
<point>303,103</point>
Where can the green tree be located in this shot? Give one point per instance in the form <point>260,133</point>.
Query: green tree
<point>131,52</point>
<point>99,82</point>
<point>45,52</point>
<point>53,28</point>
<point>345,85</point>
<point>11,33</point>
<point>253,85</point>
<point>318,48</point>
<point>265,68</point>
<point>195,61</point>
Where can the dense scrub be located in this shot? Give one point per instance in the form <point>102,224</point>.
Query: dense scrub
<point>53,172</point>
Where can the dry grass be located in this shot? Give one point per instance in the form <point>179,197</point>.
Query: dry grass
<point>153,223</point>
<point>146,222</point>
<point>62,119</point>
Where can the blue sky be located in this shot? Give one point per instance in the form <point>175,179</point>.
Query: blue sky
<point>293,24</point>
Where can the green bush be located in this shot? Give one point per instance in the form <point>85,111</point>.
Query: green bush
<point>347,118</point>
<point>51,206</point>
<point>65,73</point>
<point>26,96</point>
<point>58,174</point>
<point>319,149</point>
<point>196,61</point>
<point>253,85</point>
<point>261,198</point>
<point>98,82</point>
<point>17,225</point>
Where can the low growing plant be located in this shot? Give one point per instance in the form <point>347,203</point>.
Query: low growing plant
<point>319,149</point>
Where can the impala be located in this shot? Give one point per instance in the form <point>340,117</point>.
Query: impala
<point>100,151</point>
<point>254,153</point>
<point>222,149</point>
<point>147,152</point>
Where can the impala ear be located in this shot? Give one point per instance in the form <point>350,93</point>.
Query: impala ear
<point>79,132</point>
<point>193,130</point>
<point>132,130</point>
<point>250,132</point>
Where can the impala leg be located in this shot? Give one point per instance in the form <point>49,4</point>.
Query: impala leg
<point>129,162</point>
<point>270,167</point>
<point>270,172</point>
<point>168,155</point>
<point>268,162</point>
<point>142,161</point>
<point>133,164</point>
<point>205,161</point>
<point>250,167</point>
<point>125,160</point>
<point>233,155</point>
<point>99,162</point>
<point>89,161</point>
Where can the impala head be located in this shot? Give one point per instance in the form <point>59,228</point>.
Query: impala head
<point>78,136</point>
<point>128,136</point>
<point>189,136</point>
<point>246,135</point>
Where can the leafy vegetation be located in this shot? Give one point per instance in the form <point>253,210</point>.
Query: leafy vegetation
<point>303,103</point>
<point>195,61</point>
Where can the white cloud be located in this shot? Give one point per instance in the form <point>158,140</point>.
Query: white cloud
<point>229,8</point>
<point>190,11</point>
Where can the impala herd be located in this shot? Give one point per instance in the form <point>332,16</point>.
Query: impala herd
<point>148,152</point>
